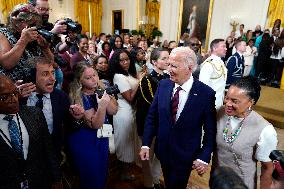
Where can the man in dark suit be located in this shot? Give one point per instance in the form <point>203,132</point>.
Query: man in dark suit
<point>236,63</point>
<point>53,102</point>
<point>26,157</point>
<point>181,107</point>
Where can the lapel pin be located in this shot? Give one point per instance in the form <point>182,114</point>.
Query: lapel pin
<point>195,94</point>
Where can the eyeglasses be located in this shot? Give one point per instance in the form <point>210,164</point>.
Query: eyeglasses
<point>43,9</point>
<point>5,97</point>
<point>194,44</point>
<point>124,60</point>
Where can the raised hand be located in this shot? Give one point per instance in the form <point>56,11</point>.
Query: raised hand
<point>104,101</point>
<point>29,34</point>
<point>59,27</point>
<point>25,89</point>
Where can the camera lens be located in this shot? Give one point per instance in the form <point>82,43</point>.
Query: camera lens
<point>48,36</point>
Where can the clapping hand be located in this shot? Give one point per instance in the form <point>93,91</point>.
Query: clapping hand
<point>103,101</point>
<point>77,111</point>
<point>25,89</point>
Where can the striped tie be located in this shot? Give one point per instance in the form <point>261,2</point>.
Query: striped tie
<point>175,101</point>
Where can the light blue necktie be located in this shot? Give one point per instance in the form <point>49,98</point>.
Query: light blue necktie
<point>14,134</point>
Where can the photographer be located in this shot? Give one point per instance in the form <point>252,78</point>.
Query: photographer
<point>90,152</point>
<point>20,41</point>
<point>42,8</point>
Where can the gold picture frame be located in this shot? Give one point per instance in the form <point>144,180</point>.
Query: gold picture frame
<point>184,20</point>
<point>117,20</point>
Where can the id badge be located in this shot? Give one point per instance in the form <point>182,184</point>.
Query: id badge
<point>25,184</point>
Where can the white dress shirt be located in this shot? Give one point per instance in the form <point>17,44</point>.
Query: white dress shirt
<point>5,130</point>
<point>47,108</point>
<point>183,94</point>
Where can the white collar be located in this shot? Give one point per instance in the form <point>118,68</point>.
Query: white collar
<point>3,115</point>
<point>186,86</point>
<point>215,57</point>
<point>46,95</point>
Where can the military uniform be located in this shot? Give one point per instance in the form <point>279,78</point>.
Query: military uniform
<point>213,73</point>
<point>145,96</point>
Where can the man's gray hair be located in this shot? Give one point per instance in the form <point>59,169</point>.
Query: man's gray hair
<point>188,56</point>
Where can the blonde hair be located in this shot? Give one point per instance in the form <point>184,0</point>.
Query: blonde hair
<point>75,93</point>
<point>76,86</point>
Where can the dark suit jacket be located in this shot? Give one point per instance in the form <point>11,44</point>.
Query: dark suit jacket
<point>179,144</point>
<point>41,167</point>
<point>235,68</point>
<point>61,117</point>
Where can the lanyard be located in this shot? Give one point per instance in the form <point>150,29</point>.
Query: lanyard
<point>19,127</point>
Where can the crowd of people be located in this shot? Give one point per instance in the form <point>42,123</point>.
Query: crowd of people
<point>61,89</point>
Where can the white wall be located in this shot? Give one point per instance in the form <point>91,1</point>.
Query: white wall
<point>247,12</point>
<point>129,8</point>
<point>64,10</point>
<point>169,16</point>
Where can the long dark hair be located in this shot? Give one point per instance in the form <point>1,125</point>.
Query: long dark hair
<point>112,42</point>
<point>133,53</point>
<point>114,64</point>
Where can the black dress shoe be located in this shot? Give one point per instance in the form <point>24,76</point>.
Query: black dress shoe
<point>275,84</point>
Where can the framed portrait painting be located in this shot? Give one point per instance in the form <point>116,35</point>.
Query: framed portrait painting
<point>195,19</point>
<point>117,21</point>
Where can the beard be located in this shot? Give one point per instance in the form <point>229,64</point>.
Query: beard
<point>45,18</point>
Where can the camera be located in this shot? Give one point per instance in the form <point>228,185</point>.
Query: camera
<point>112,90</point>
<point>72,26</point>
<point>277,155</point>
<point>47,35</point>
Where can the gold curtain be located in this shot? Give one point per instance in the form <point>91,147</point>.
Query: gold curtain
<point>7,5</point>
<point>153,13</point>
<point>82,10</point>
<point>275,11</point>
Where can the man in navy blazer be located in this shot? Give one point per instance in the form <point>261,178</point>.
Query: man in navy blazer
<point>178,126</point>
<point>236,63</point>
